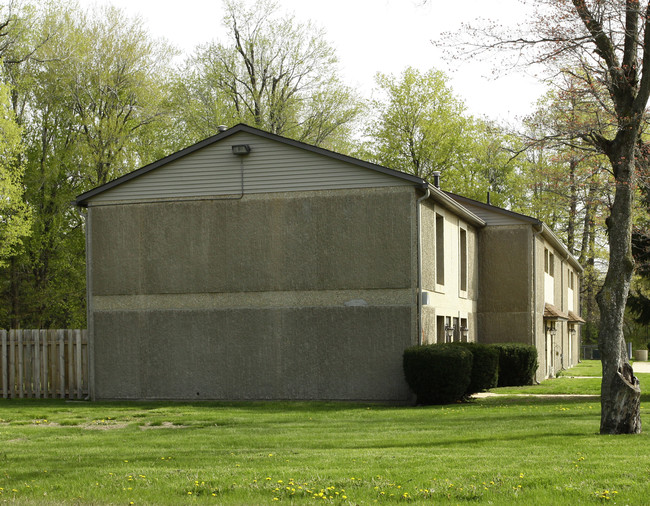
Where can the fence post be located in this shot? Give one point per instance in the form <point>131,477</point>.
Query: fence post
<point>85,362</point>
<point>60,337</point>
<point>71,391</point>
<point>45,374</point>
<point>5,375</point>
<point>12,363</point>
<point>36,337</point>
<point>19,333</point>
<point>77,359</point>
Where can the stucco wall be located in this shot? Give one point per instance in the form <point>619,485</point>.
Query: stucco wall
<point>506,285</point>
<point>252,353</point>
<point>303,295</point>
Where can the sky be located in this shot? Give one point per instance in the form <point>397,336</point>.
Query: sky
<point>371,36</point>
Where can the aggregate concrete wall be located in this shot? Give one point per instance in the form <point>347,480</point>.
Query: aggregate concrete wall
<point>505,312</point>
<point>347,353</point>
<point>303,295</point>
<point>322,241</point>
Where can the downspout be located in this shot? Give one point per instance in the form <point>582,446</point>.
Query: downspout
<point>535,235</point>
<point>90,314</point>
<point>419,237</point>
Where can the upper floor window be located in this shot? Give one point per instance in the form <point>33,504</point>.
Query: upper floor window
<point>549,263</point>
<point>463,260</point>
<point>549,281</point>
<point>440,249</point>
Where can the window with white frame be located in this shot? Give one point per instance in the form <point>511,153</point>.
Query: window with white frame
<point>440,249</point>
<point>549,273</point>
<point>463,261</point>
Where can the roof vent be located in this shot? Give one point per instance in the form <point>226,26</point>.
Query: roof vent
<point>222,128</point>
<point>436,178</point>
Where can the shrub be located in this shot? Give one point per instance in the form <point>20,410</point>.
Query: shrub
<point>437,373</point>
<point>517,364</point>
<point>485,367</point>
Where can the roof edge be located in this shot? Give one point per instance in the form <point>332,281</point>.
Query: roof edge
<point>446,201</point>
<point>548,234</point>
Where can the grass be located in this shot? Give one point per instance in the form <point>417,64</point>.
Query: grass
<point>500,450</point>
<point>584,368</point>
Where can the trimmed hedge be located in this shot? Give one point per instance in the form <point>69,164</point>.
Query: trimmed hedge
<point>485,367</point>
<point>517,364</point>
<point>438,373</point>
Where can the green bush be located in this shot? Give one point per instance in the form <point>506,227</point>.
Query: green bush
<point>438,373</point>
<point>485,367</point>
<point>517,364</point>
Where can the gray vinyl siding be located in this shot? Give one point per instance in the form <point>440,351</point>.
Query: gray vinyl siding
<point>269,167</point>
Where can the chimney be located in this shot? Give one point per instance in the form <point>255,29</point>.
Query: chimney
<point>222,128</point>
<point>488,199</point>
<point>436,178</point>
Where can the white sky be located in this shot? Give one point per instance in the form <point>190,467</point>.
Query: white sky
<point>370,36</point>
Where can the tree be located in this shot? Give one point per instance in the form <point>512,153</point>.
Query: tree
<point>420,127</point>
<point>91,100</point>
<point>15,215</point>
<point>609,41</point>
<point>272,73</point>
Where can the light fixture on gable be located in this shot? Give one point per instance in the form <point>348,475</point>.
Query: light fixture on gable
<point>241,149</point>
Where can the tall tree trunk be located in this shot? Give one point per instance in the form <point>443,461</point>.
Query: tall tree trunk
<point>573,206</point>
<point>620,391</point>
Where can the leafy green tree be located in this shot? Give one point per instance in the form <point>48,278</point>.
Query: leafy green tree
<point>609,41</point>
<point>272,73</point>
<point>93,105</point>
<point>15,216</point>
<point>420,127</point>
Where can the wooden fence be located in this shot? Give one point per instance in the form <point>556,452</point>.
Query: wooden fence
<point>44,364</point>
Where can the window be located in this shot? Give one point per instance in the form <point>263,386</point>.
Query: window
<point>549,280</point>
<point>463,260</point>
<point>464,330</point>
<point>545,260</point>
<point>440,327</point>
<point>549,261</point>
<point>551,264</point>
<point>571,280</point>
<point>440,249</point>
<point>449,330</point>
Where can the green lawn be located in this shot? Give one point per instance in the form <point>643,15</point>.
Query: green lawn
<point>585,368</point>
<point>500,450</point>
